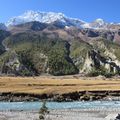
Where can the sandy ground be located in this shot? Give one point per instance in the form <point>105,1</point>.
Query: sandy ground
<point>71,114</point>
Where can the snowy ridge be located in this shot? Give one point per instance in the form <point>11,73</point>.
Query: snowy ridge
<point>44,17</point>
<point>50,17</point>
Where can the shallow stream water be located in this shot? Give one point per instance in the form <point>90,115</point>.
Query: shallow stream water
<point>61,105</point>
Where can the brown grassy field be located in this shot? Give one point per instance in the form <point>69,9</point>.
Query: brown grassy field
<point>39,85</point>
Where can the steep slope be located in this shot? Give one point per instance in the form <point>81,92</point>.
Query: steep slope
<point>96,57</point>
<point>78,51</point>
<point>104,56</point>
<point>2,26</point>
<point>3,35</point>
<point>38,54</point>
<point>34,48</point>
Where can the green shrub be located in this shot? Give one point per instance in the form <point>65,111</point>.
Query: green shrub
<point>60,63</point>
<point>93,73</point>
<point>109,75</point>
<point>101,71</point>
<point>43,111</point>
<point>25,72</point>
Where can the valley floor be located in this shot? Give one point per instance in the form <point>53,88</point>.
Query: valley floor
<point>60,85</point>
<point>28,88</point>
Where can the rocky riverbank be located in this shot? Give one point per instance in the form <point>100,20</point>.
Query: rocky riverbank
<point>73,96</point>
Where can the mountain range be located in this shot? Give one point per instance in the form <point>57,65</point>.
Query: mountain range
<point>45,42</point>
<point>50,17</point>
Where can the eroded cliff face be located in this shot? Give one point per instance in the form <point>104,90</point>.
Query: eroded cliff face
<point>94,60</point>
<point>103,54</point>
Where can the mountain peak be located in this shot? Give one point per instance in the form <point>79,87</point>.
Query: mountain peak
<point>59,18</point>
<point>37,14</point>
<point>30,16</point>
<point>100,21</point>
<point>44,17</point>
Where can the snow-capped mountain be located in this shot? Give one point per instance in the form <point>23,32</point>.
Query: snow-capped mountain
<point>44,17</point>
<point>100,24</point>
<point>97,24</point>
<point>2,26</point>
<point>60,19</point>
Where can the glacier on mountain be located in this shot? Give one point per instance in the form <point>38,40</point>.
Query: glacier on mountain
<point>51,17</point>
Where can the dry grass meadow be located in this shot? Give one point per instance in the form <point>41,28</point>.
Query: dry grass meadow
<point>40,85</point>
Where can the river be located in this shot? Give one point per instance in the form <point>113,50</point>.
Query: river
<point>61,105</point>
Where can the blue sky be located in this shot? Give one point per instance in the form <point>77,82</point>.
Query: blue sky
<point>87,10</point>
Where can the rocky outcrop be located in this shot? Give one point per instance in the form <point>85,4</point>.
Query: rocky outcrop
<point>117,117</point>
<point>105,34</point>
<point>94,60</point>
<point>11,64</point>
